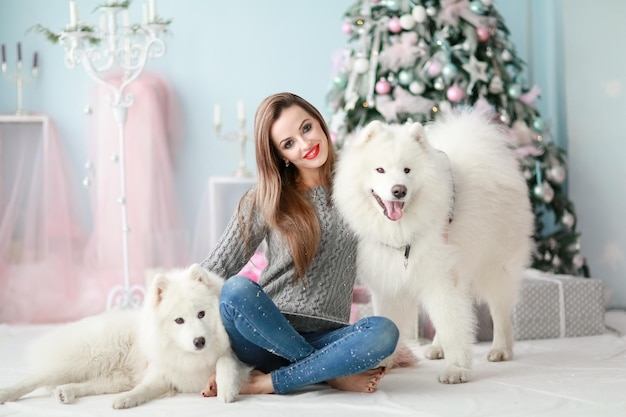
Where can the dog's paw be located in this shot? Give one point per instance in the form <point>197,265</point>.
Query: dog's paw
<point>126,401</point>
<point>500,355</point>
<point>433,352</point>
<point>454,375</point>
<point>64,394</point>
<point>226,395</point>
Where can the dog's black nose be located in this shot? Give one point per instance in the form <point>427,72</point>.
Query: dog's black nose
<point>398,191</point>
<point>199,342</point>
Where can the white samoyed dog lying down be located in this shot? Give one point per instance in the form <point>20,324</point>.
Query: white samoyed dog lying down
<point>172,345</point>
<point>443,219</point>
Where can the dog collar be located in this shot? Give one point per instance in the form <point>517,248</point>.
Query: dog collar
<point>406,248</point>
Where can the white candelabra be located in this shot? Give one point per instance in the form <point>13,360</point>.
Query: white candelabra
<point>241,136</point>
<point>116,45</point>
<point>19,77</point>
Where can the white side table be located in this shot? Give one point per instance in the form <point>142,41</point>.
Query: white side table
<point>224,196</point>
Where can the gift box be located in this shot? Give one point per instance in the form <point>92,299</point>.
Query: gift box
<point>549,306</point>
<point>552,306</point>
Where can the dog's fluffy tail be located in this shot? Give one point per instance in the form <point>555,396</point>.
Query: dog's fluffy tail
<point>404,357</point>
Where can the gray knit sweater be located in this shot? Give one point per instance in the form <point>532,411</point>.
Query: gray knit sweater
<point>321,301</point>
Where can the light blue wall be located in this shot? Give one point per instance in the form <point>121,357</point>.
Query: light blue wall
<point>222,51</point>
<point>595,74</point>
<point>218,52</point>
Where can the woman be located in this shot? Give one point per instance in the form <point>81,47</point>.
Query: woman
<point>292,326</point>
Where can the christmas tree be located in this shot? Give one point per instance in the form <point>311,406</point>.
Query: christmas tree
<point>407,60</point>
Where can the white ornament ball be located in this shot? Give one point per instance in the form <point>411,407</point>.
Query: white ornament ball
<point>567,219</point>
<point>556,174</point>
<point>506,55</point>
<point>417,87</point>
<point>405,77</point>
<point>431,11</point>
<point>361,65</point>
<point>578,260</point>
<point>407,22</point>
<point>419,14</point>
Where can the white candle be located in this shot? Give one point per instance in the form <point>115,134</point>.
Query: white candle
<point>240,111</point>
<point>152,10</point>
<point>144,11</point>
<point>73,14</point>
<point>103,23</point>
<point>217,115</point>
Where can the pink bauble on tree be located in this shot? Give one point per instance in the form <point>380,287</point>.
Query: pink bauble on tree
<point>383,86</point>
<point>483,33</point>
<point>394,25</point>
<point>434,68</point>
<point>454,94</point>
<point>346,28</point>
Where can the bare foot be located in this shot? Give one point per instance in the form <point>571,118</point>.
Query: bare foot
<point>364,382</point>
<point>258,383</point>
<point>211,387</point>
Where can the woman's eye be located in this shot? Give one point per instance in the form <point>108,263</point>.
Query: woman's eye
<point>306,128</point>
<point>179,320</point>
<point>288,144</point>
<point>380,170</point>
<point>201,314</point>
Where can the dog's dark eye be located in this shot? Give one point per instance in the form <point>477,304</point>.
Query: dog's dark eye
<point>201,314</point>
<point>179,320</point>
<point>407,170</point>
<point>380,170</point>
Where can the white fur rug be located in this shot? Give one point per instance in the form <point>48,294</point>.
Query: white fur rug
<point>573,377</point>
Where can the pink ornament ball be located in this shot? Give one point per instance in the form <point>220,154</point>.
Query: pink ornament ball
<point>394,25</point>
<point>383,87</point>
<point>346,28</point>
<point>434,68</point>
<point>483,33</point>
<point>454,94</point>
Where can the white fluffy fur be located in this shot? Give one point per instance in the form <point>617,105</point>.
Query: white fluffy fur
<point>483,252</point>
<point>143,353</point>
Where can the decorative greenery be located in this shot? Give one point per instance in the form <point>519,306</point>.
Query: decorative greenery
<point>50,35</point>
<point>108,4</point>
<point>56,37</point>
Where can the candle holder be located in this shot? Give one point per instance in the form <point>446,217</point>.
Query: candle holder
<point>126,47</point>
<point>241,136</point>
<point>20,78</point>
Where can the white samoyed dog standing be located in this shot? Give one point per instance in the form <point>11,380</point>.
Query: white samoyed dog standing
<point>172,345</point>
<point>443,218</point>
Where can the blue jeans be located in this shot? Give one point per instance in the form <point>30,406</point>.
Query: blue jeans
<point>262,337</point>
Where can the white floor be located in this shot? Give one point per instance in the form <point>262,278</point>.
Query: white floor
<point>574,377</point>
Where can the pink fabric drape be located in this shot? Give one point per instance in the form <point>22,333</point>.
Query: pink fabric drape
<point>41,239</point>
<point>157,238</point>
<point>54,269</point>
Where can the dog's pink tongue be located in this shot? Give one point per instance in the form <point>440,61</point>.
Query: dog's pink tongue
<point>394,210</point>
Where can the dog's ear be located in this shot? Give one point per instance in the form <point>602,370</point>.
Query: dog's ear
<point>416,130</point>
<point>159,285</point>
<point>369,131</point>
<point>208,278</point>
<point>197,273</point>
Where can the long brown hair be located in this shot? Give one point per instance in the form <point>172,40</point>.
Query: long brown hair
<point>285,206</point>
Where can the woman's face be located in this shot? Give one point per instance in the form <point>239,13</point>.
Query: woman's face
<point>300,139</point>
